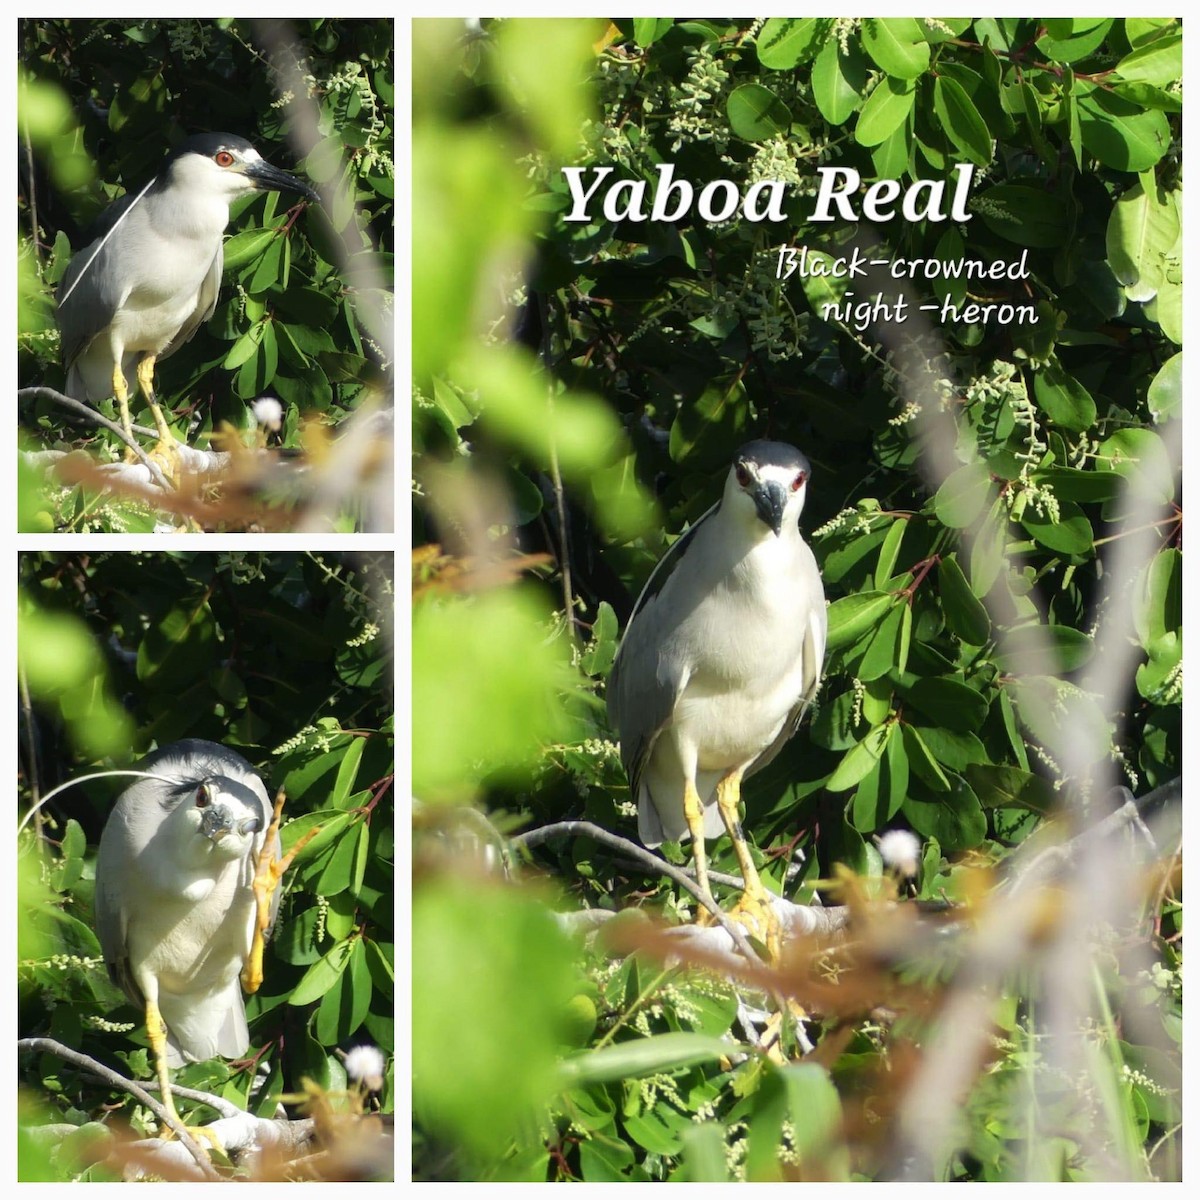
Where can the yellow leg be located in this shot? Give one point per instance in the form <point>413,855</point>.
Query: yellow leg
<point>156,1031</point>
<point>693,812</point>
<point>167,450</point>
<point>269,871</point>
<point>754,910</point>
<point>121,392</point>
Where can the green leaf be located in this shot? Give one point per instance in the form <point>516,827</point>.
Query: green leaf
<point>783,41</point>
<point>1158,63</point>
<point>851,616</point>
<point>987,551</point>
<point>641,1057</point>
<point>861,759</point>
<point>960,120</point>
<point>965,615</point>
<point>756,113</point>
<point>244,247</point>
<point>1140,457</point>
<point>347,772</point>
<point>647,30</point>
<point>948,702</point>
<point>951,749</point>
<point>178,649</point>
<point>1063,398</point>
<point>882,791</point>
<point>1141,237</point>
<point>889,647</point>
<point>1159,608</point>
<point>999,786</point>
<point>1071,533</point>
<point>1025,651</point>
<point>897,44</point>
<point>962,496</point>
<point>1026,215</point>
<point>1165,395</point>
<point>338,872</point>
<point>889,551</point>
<point>1120,134</point>
<point>322,975</point>
<point>955,818</point>
<point>922,762</point>
<point>1086,35</point>
<point>838,80</point>
<point>885,111</point>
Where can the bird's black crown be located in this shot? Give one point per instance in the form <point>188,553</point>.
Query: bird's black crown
<point>773,454</point>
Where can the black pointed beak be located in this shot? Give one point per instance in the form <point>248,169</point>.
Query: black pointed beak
<point>272,179</point>
<point>770,500</point>
<point>216,821</point>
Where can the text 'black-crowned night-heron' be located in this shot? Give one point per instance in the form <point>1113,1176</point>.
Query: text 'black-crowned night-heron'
<point>187,882</point>
<point>719,661</point>
<point>150,276</point>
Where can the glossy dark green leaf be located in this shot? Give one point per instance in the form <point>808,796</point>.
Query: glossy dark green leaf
<point>1028,651</point>
<point>888,649</point>
<point>1001,786</point>
<point>1063,398</point>
<point>1120,134</point>
<point>756,113</point>
<point>838,80</point>
<point>1026,215</point>
<point>783,41</point>
<point>647,30</point>
<point>949,702</point>
<point>1070,533</point>
<point>322,975</point>
<point>953,750</point>
<point>861,759</point>
<point>964,613</point>
<point>921,761</point>
<point>954,816</point>
<point>963,495</point>
<point>897,44</point>
<point>961,121</point>
<point>851,616</point>
<point>885,111</point>
<point>881,792</point>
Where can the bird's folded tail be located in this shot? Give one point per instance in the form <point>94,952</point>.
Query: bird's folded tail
<point>660,812</point>
<point>204,1026</point>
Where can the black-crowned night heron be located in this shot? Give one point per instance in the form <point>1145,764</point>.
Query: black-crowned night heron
<point>186,889</point>
<point>150,277</point>
<point>719,661</point>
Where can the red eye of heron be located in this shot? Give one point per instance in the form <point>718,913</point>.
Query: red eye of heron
<point>202,797</point>
<point>798,482</point>
<point>742,472</point>
<point>223,158</point>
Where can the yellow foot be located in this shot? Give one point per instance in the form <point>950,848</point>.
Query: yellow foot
<point>267,875</point>
<point>198,1133</point>
<point>756,914</point>
<point>166,455</point>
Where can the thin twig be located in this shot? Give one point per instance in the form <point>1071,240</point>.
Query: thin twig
<point>535,837</point>
<point>82,410</point>
<point>87,1063</point>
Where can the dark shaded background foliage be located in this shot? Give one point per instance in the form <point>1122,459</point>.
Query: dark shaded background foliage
<point>285,658</point>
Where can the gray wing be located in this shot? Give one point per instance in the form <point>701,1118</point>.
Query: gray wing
<point>90,291</point>
<point>814,658</point>
<point>112,924</point>
<point>642,686</point>
<point>206,305</point>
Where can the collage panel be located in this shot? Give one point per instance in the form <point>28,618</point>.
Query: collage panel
<point>205,280</point>
<point>798,601</point>
<point>206,865</point>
